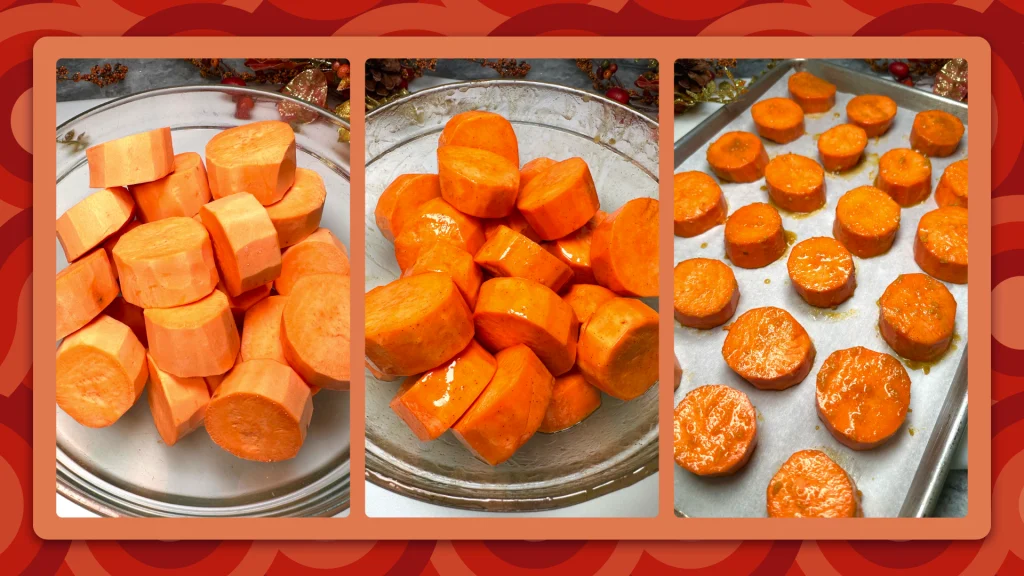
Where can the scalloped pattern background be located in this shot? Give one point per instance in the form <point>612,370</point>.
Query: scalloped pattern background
<point>22,22</point>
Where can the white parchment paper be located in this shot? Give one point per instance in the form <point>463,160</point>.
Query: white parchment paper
<point>787,420</point>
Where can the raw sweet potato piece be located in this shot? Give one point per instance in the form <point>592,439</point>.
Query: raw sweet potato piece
<point>431,403</point>
<point>239,304</point>
<point>416,323</point>
<point>260,412</point>
<point>574,250</point>
<point>624,249</point>
<point>198,339</point>
<point>84,289</point>
<point>134,159</point>
<point>101,370</point>
<point>130,315</point>
<point>213,382</point>
<point>178,405</point>
<point>585,299</point>
<point>454,261</point>
<point>871,112</point>
<point>514,221</point>
<point>560,199</point>
<point>261,330</point>
<point>509,253</point>
<point>532,169</point>
<point>400,200</point>
<point>484,130</point>
<point>165,263</point>
<point>257,158</point>
<point>738,157</point>
<point>510,409</point>
<point>180,193</point>
<point>936,133</point>
<point>315,330</point>
<point>952,188</point>
<point>512,311</point>
<point>297,215</point>
<point>87,224</point>
<point>110,242</point>
<point>318,253</point>
<point>813,94</point>
<point>572,400</point>
<point>618,348</point>
<point>436,220</point>
<point>780,120</point>
<point>905,175</point>
<point>477,182</point>
<point>244,240</point>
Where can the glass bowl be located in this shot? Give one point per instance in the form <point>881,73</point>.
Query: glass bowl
<point>125,469</point>
<point>618,444</point>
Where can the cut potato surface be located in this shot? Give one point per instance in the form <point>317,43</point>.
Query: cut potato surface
<point>315,330</point>
<point>244,240</point>
<point>84,289</point>
<point>134,159</point>
<point>198,339</point>
<point>87,224</point>
<point>256,158</point>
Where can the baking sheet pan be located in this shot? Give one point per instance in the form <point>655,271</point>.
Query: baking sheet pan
<point>904,476</point>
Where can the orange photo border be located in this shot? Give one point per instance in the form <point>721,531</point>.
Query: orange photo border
<point>357,526</point>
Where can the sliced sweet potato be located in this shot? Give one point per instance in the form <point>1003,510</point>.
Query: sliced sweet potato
<point>477,182</point>
<point>509,253</point>
<point>715,430</point>
<point>100,372</point>
<point>198,339</point>
<point>573,249</point>
<point>416,323</point>
<point>510,409</point>
<point>698,204</point>
<point>178,405</point>
<point>813,94</point>
<point>754,237</point>
<point>514,221</point>
<point>917,315</point>
<point>315,330</point>
<point>780,120</point>
<point>180,193</point>
<point>705,293</point>
<point>618,348</point>
<point>318,253</point>
<point>738,157</point>
<point>87,224</point>
<point>624,249</point>
<point>400,200</point>
<point>260,412</point>
<point>431,403</point>
<point>936,133</point>
<point>952,188</point>
<point>940,245</point>
<point>213,382</point>
<point>454,261</point>
<point>811,485</point>
<point>298,214</point>
<point>585,299</point>
<point>905,175</point>
<point>165,263</point>
<point>769,348</point>
<point>436,220</point>
<point>871,112</point>
<point>841,147</point>
<point>511,311</point>
<point>134,159</point>
<point>484,130</point>
<point>244,240</point>
<point>532,169</point>
<point>261,330</point>
<point>84,289</point>
<point>560,199</point>
<point>795,183</point>
<point>572,401</point>
<point>822,272</point>
<point>110,242</point>
<point>866,221</point>
<point>257,158</point>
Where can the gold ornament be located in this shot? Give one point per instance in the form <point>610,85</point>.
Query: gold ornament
<point>951,80</point>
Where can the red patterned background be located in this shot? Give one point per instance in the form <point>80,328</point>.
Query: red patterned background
<point>22,22</point>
